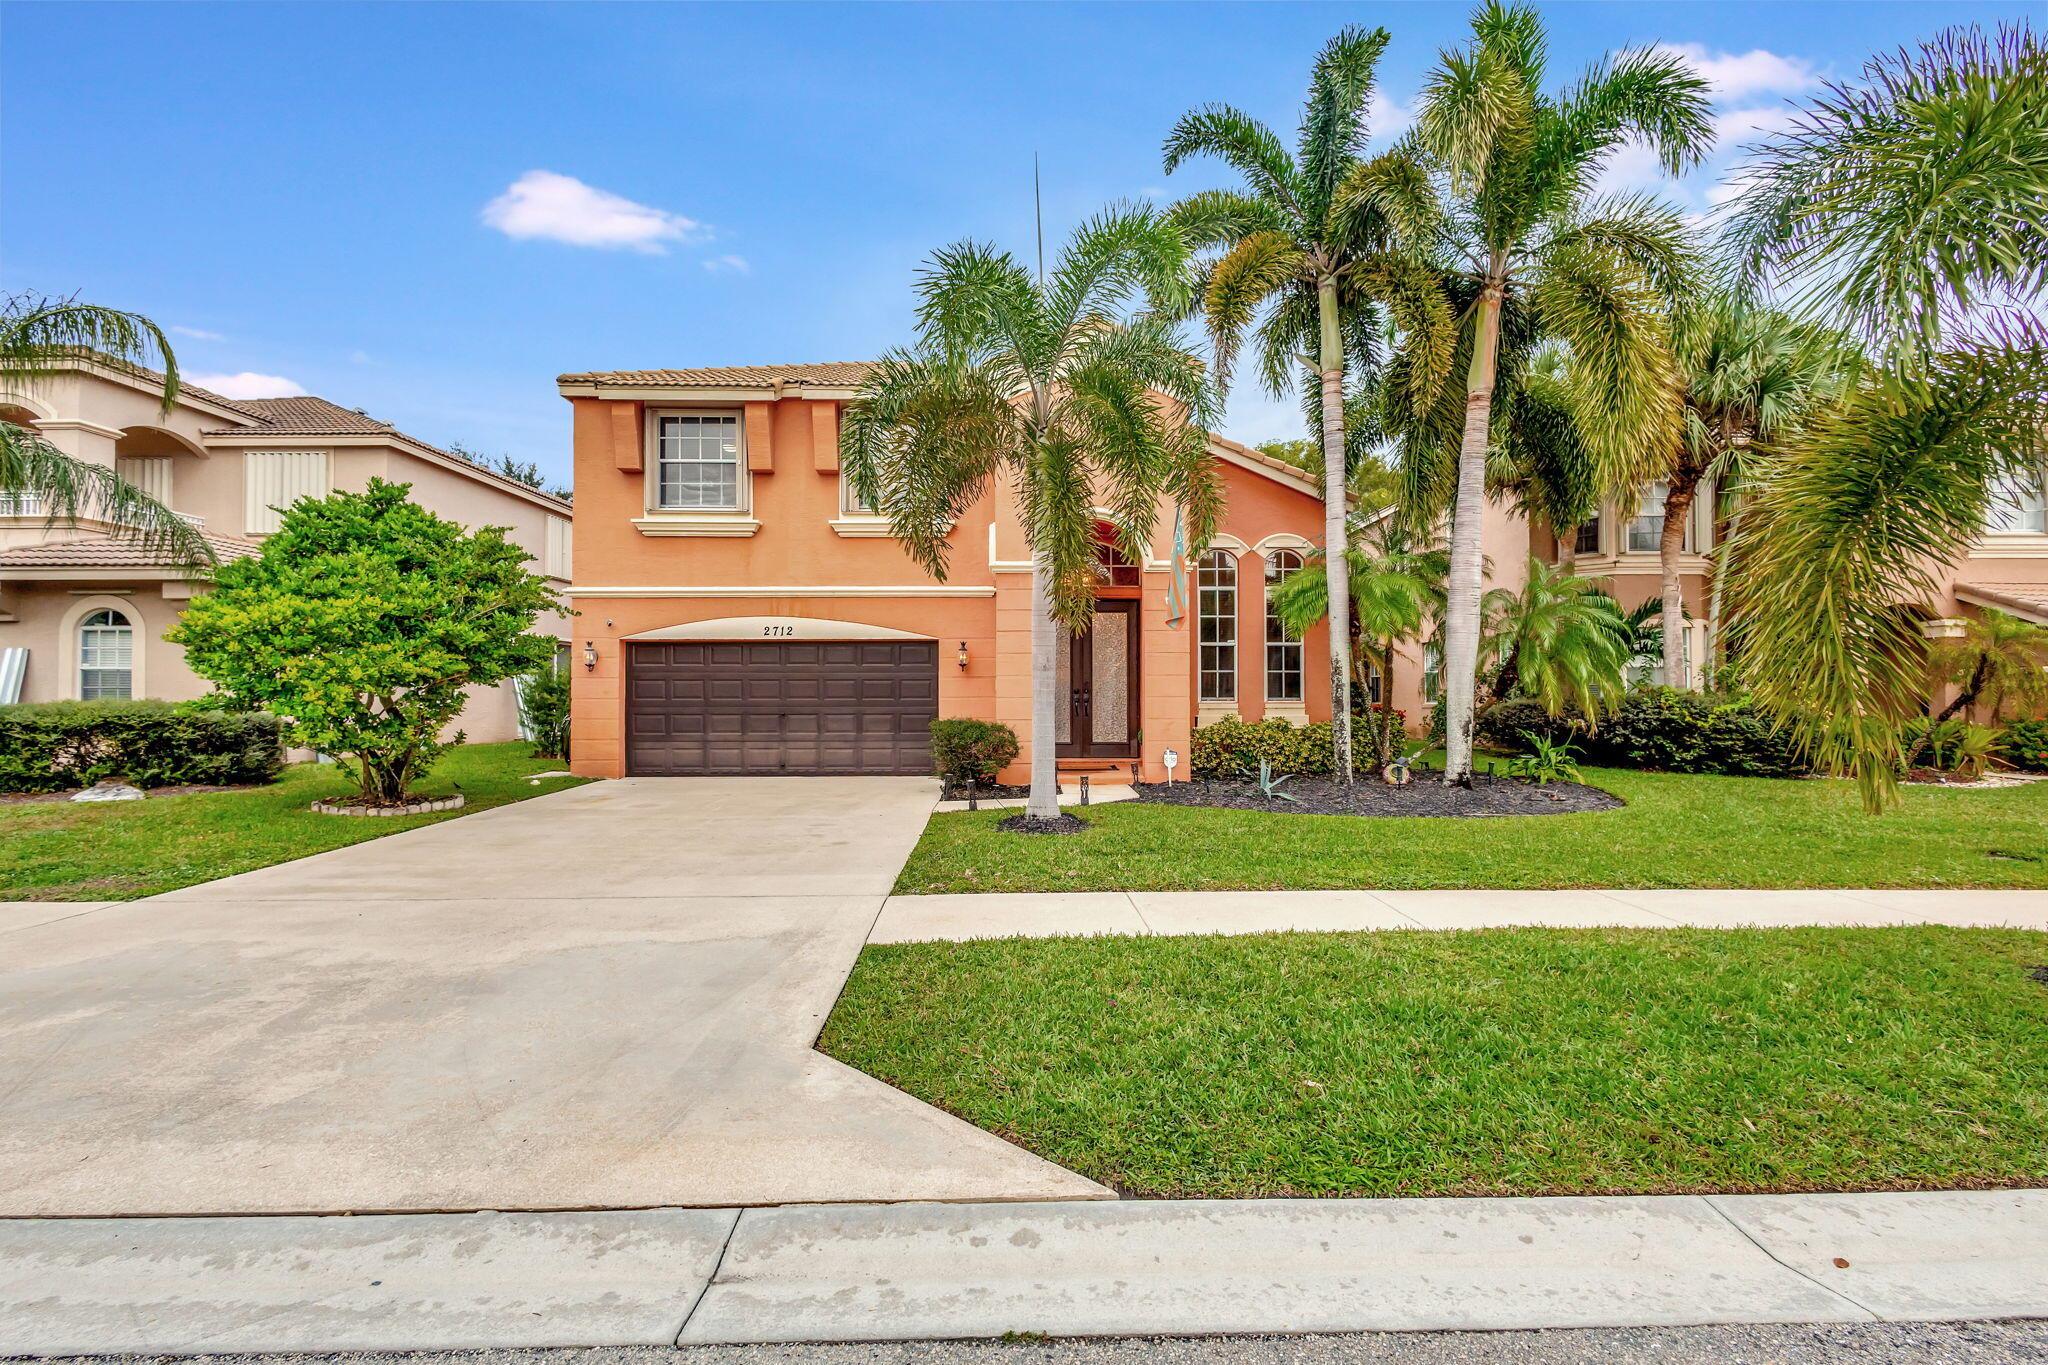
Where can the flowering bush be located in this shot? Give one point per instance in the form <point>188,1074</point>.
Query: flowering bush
<point>2024,744</point>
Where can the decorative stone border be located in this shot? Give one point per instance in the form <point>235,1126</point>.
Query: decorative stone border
<point>426,807</point>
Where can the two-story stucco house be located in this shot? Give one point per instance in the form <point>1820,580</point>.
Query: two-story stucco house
<point>83,612</point>
<point>740,613</point>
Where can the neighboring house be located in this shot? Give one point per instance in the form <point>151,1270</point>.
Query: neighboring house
<point>740,613</point>
<point>83,613</point>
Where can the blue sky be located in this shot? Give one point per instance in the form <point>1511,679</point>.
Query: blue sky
<point>429,211</point>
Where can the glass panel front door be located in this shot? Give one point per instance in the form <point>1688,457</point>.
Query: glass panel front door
<point>1110,711</point>
<point>1098,676</point>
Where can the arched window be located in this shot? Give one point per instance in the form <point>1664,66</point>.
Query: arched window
<point>1283,650</point>
<point>106,656</point>
<point>1216,615</point>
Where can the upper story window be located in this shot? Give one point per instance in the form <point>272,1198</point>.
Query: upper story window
<point>2018,506</point>
<point>1216,616</point>
<point>272,480</point>
<point>1432,672</point>
<point>1646,532</point>
<point>1283,650</point>
<point>106,656</point>
<point>557,562</point>
<point>1588,542</point>
<point>697,461</point>
<point>850,501</point>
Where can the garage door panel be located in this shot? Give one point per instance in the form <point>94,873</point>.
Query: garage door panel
<point>803,706</point>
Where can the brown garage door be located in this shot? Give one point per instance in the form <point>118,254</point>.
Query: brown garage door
<point>855,706</point>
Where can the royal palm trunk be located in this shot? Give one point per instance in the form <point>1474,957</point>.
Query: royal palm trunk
<point>1046,638</point>
<point>1678,501</point>
<point>1336,563</point>
<point>1461,617</point>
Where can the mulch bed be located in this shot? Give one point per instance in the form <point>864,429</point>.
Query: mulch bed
<point>1024,824</point>
<point>1369,796</point>
<point>985,791</point>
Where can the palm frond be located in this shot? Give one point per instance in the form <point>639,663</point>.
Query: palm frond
<point>1333,130</point>
<point>1846,528</point>
<point>71,489</point>
<point>1239,284</point>
<point>1213,218</point>
<point>1242,143</point>
<point>38,336</point>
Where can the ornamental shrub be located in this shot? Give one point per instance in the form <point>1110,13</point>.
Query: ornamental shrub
<point>366,619</point>
<point>544,707</point>
<point>1664,728</point>
<point>969,752</point>
<point>63,745</point>
<point>2024,744</point>
<point>1230,749</point>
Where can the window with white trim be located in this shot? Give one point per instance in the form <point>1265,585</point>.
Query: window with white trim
<point>1432,672</point>
<point>1646,532</point>
<point>697,462</point>
<point>2018,507</point>
<point>1588,540</point>
<point>1216,622</point>
<point>1283,649</point>
<point>106,656</point>
<point>850,503</point>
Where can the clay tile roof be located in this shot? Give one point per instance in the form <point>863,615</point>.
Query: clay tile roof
<point>102,553</point>
<point>2022,599</point>
<point>834,374</point>
<point>306,416</point>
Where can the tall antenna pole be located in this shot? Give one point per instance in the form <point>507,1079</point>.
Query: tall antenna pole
<point>1038,210</point>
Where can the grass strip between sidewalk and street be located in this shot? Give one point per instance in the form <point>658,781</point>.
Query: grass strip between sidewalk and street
<point>65,851</point>
<point>1499,1062</point>
<point>1675,830</point>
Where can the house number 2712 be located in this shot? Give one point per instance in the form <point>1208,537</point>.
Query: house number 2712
<point>778,630</point>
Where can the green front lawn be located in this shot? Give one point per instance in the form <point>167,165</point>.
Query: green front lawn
<point>1524,1061</point>
<point>1676,830</point>
<point>58,850</point>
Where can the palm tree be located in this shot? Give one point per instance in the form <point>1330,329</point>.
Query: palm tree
<point>1908,201</point>
<point>1395,592</point>
<point>1314,240</point>
<point>1596,273</point>
<point>1545,465</point>
<point>40,336</point>
<point>1560,641</point>
<point>1050,386</point>
<point>1997,660</point>
<point>1747,372</point>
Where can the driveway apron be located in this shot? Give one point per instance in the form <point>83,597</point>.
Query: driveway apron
<point>602,998</point>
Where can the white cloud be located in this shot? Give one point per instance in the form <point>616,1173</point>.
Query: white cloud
<point>1633,166</point>
<point>197,333</point>
<point>1734,127</point>
<point>361,358</point>
<point>248,384</point>
<point>561,208</point>
<point>1737,75</point>
<point>736,265</point>
<point>1387,118</point>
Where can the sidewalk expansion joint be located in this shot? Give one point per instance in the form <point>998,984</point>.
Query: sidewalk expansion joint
<point>709,1280</point>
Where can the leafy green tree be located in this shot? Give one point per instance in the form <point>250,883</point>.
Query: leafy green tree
<point>1372,483</point>
<point>1045,388</point>
<point>1318,241</point>
<point>1531,239</point>
<point>364,620</point>
<point>40,336</point>
<point>1910,203</point>
<point>527,472</point>
<point>1560,641</point>
<point>1396,592</point>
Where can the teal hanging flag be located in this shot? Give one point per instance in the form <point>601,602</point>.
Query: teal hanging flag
<point>1177,573</point>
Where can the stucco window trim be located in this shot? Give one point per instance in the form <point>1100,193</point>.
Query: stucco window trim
<point>696,524</point>
<point>2010,545</point>
<point>650,462</point>
<point>67,643</point>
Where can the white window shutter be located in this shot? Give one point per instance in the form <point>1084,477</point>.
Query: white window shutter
<point>150,474</point>
<point>559,562</point>
<point>275,479</point>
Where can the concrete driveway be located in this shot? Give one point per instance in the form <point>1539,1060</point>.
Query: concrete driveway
<point>603,998</point>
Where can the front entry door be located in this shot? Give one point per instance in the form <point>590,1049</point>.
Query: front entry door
<point>1098,677</point>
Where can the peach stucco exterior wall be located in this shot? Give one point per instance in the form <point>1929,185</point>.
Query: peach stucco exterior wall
<point>793,492</point>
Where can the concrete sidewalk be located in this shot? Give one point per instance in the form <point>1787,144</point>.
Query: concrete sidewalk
<point>907,919</point>
<point>915,1271</point>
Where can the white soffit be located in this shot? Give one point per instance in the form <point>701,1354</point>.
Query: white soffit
<point>775,628</point>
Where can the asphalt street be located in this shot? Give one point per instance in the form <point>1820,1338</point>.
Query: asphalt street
<point>1973,1343</point>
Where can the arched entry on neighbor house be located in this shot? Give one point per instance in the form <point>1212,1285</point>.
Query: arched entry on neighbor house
<point>1098,670</point>
<point>150,459</point>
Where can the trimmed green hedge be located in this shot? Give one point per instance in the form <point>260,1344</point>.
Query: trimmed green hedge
<point>59,746</point>
<point>1663,728</point>
<point>1231,748</point>
<point>967,752</point>
<point>2024,744</point>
